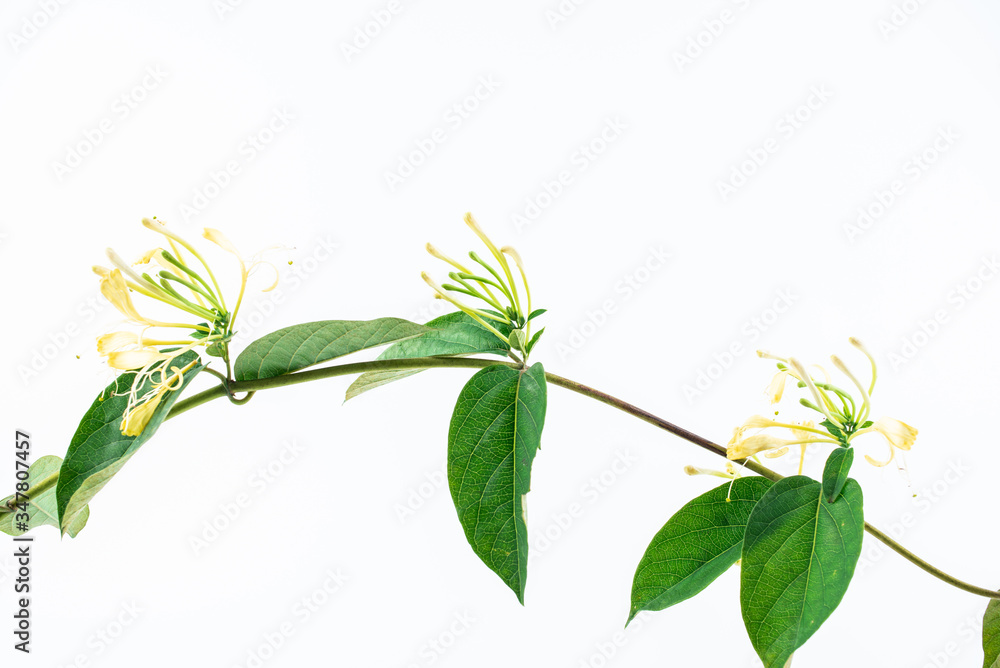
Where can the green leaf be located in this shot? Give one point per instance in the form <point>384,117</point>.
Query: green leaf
<point>834,430</point>
<point>534,340</point>
<point>991,635</point>
<point>838,466</point>
<point>537,312</point>
<point>799,555</point>
<point>697,545</point>
<point>299,346</point>
<point>451,334</point>
<point>99,449</point>
<point>495,431</point>
<point>40,506</point>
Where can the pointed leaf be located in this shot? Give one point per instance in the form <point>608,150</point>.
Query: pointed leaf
<point>799,555</point>
<point>838,466</point>
<point>40,507</point>
<point>991,635</point>
<point>99,449</point>
<point>299,346</point>
<point>534,339</point>
<point>697,545</point>
<point>451,334</point>
<point>495,432</point>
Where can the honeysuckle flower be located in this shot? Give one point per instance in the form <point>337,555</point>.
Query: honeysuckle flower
<point>767,444</point>
<point>141,408</point>
<point>191,289</point>
<point>730,473</point>
<point>845,414</point>
<point>777,387</point>
<point>899,436</point>
<point>495,288</point>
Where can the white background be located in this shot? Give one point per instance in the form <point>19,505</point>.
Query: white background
<point>558,80</point>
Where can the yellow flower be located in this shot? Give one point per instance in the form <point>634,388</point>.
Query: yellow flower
<point>191,289</point>
<point>138,415</point>
<point>777,387</point>
<point>845,413</point>
<point>899,435</point>
<point>126,360</point>
<point>769,445</point>
<point>730,473</point>
<point>115,341</point>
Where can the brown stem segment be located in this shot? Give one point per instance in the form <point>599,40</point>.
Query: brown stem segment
<point>579,388</point>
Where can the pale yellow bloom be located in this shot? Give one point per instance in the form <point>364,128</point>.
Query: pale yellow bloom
<point>152,255</point>
<point>730,473</point>
<point>777,387</point>
<point>178,284</point>
<point>141,409</point>
<point>246,267</point>
<point>135,420</point>
<point>756,444</point>
<point>115,290</point>
<point>804,429</point>
<point>127,360</point>
<point>220,240</point>
<point>899,436</point>
<point>846,413</point>
<point>769,445</point>
<point>115,341</point>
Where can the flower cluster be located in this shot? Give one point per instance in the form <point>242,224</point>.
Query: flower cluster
<point>844,417</point>
<point>497,290</point>
<point>191,288</point>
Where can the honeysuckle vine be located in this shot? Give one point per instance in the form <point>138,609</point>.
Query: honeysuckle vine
<point>778,529</point>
